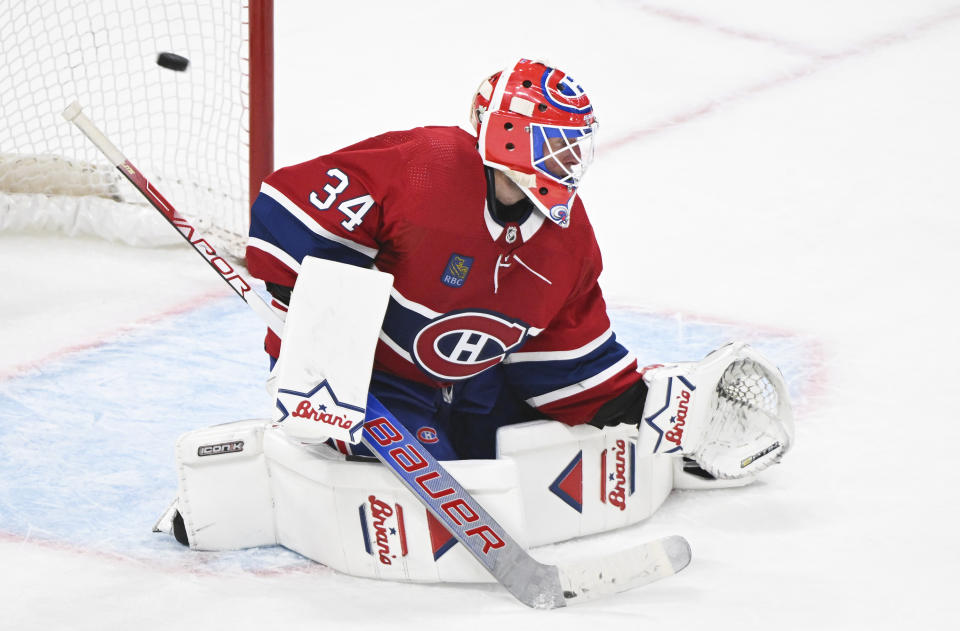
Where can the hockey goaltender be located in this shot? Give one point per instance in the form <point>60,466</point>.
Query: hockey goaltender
<point>441,284</point>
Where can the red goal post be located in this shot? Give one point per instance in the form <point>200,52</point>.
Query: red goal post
<point>204,134</point>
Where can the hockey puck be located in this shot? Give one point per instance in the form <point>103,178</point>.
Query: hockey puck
<point>173,61</point>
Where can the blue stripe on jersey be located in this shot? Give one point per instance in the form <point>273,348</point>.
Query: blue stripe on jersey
<point>402,324</point>
<point>531,379</point>
<point>290,235</point>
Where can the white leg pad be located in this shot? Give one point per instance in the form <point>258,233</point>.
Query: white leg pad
<point>549,483</point>
<point>224,490</point>
<point>581,480</point>
<point>357,518</point>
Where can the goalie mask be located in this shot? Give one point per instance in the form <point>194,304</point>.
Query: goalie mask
<point>536,124</point>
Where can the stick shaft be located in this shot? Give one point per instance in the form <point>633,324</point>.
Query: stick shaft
<point>237,282</point>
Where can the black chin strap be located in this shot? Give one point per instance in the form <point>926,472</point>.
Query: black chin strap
<point>514,213</point>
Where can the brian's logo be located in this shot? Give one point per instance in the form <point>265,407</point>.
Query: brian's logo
<point>319,406</point>
<point>455,273</point>
<point>462,344</point>
<point>618,474</point>
<point>387,537</point>
<point>675,435</point>
<point>618,495</point>
<point>305,410</point>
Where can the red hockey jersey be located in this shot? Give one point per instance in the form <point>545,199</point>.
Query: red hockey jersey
<point>469,292</point>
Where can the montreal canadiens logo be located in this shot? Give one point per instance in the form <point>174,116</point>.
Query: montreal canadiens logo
<point>427,435</point>
<point>564,93</point>
<point>462,344</point>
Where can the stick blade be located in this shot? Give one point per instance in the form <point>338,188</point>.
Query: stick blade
<point>628,569</point>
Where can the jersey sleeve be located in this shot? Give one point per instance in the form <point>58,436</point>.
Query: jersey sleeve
<point>330,207</point>
<point>311,209</point>
<point>575,365</point>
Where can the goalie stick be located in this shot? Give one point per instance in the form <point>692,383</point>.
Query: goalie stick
<point>535,584</point>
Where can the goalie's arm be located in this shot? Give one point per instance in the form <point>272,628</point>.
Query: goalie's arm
<point>280,293</point>
<point>576,371</point>
<point>627,407</point>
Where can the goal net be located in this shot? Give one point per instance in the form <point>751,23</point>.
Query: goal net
<point>203,136</point>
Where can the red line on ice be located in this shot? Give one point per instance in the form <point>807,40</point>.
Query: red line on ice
<point>820,62</point>
<point>184,307</point>
<point>686,18</point>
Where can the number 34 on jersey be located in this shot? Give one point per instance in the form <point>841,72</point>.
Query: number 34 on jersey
<point>354,209</point>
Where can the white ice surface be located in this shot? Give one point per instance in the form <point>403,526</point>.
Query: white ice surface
<point>784,171</point>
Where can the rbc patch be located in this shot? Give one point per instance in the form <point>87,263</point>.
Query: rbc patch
<point>455,273</point>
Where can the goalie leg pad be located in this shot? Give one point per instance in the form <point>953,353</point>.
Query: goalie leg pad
<point>358,518</point>
<point>582,480</point>
<point>224,493</point>
<point>248,484</point>
<point>549,483</point>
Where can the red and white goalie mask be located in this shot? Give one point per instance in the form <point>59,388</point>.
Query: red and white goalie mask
<point>536,124</point>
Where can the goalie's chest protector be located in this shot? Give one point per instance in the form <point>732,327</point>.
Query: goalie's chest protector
<point>468,290</point>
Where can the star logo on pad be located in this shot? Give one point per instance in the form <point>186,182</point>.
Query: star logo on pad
<point>320,412</point>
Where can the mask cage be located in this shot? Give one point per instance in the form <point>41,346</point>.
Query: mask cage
<point>562,153</point>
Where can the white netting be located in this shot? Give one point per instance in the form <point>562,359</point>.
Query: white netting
<point>746,384</point>
<point>752,423</point>
<point>187,131</point>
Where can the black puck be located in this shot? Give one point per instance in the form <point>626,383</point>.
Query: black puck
<point>173,61</point>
